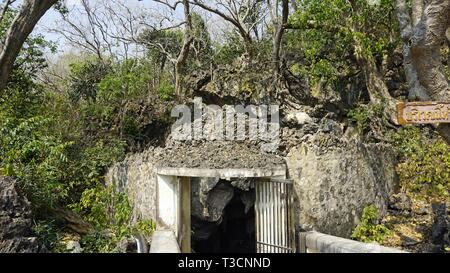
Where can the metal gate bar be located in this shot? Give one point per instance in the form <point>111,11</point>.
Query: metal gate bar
<point>274,225</point>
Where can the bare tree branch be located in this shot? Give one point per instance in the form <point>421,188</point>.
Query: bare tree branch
<point>233,17</point>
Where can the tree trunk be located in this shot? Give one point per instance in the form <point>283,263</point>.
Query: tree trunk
<point>22,25</point>
<point>423,37</point>
<point>278,37</point>
<point>376,87</point>
<point>184,52</point>
<point>426,41</point>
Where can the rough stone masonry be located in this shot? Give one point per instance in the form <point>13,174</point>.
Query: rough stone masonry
<point>335,175</point>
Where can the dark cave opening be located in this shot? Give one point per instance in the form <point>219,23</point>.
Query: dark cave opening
<point>234,233</point>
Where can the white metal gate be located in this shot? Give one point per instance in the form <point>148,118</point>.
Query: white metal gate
<point>274,218</point>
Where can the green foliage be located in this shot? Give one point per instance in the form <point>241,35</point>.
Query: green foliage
<point>97,157</point>
<point>97,241</point>
<point>146,227</point>
<point>119,106</point>
<point>332,32</point>
<point>170,40</point>
<point>101,206</point>
<point>126,80</point>
<point>110,213</point>
<point>36,158</point>
<point>49,234</point>
<point>166,91</point>
<point>229,51</point>
<point>424,168</point>
<point>85,78</point>
<point>363,114</point>
<point>369,230</point>
<point>202,51</point>
<point>51,170</point>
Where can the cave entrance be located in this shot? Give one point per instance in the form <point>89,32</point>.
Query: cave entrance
<point>255,216</point>
<point>225,222</point>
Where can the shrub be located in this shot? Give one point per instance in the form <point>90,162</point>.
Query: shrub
<point>49,234</point>
<point>363,114</point>
<point>36,158</point>
<point>166,91</point>
<point>424,168</point>
<point>85,77</point>
<point>110,212</point>
<point>368,230</point>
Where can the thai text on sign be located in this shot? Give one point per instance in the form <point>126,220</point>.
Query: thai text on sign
<point>423,112</point>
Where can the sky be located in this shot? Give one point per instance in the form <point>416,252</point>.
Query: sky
<point>52,18</point>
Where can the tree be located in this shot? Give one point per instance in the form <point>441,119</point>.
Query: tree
<point>423,31</point>
<point>18,31</point>
<point>280,24</point>
<point>241,14</point>
<point>341,38</point>
<point>101,27</point>
<point>184,52</point>
<point>155,37</point>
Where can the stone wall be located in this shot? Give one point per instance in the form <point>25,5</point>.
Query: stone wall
<point>135,176</point>
<point>335,178</point>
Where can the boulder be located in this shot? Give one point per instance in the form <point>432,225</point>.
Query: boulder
<point>400,203</point>
<point>209,198</point>
<point>127,245</point>
<point>335,178</point>
<point>15,220</point>
<point>74,247</point>
<point>440,230</point>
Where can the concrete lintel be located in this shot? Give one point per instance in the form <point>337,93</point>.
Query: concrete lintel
<point>278,171</point>
<point>164,241</point>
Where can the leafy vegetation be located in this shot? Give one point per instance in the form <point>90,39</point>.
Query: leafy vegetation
<point>363,115</point>
<point>369,230</point>
<point>58,145</point>
<point>333,31</point>
<point>110,212</point>
<point>424,169</point>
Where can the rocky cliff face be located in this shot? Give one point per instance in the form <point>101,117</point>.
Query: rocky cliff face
<point>15,220</point>
<point>335,178</point>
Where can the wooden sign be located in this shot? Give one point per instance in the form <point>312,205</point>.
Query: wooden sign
<point>423,112</point>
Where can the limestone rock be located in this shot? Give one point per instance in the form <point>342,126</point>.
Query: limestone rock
<point>15,220</point>
<point>208,203</point>
<point>298,118</point>
<point>73,247</point>
<point>335,178</point>
<point>127,245</point>
<point>248,199</point>
<point>244,184</point>
<point>440,230</point>
<point>400,203</point>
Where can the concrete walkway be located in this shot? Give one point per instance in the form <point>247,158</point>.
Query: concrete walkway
<point>164,241</point>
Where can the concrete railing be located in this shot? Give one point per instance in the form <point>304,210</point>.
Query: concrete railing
<point>164,241</point>
<point>315,242</point>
